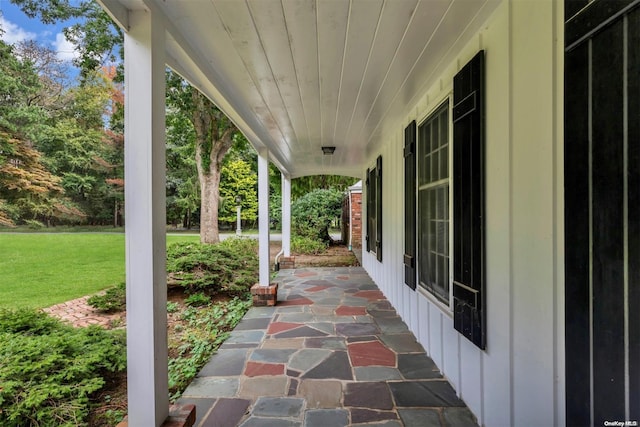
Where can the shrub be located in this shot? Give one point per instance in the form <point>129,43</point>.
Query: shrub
<point>197,299</point>
<point>230,267</point>
<point>33,224</point>
<point>49,370</point>
<point>312,213</point>
<point>306,245</point>
<point>112,300</point>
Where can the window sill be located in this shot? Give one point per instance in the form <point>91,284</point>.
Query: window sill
<point>446,309</point>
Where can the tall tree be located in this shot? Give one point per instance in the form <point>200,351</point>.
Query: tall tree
<point>213,139</point>
<point>28,190</point>
<point>238,187</point>
<point>97,38</point>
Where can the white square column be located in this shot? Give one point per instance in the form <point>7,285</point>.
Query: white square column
<point>286,215</point>
<point>145,209</point>
<point>263,216</point>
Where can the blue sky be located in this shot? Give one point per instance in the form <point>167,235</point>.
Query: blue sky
<point>18,27</point>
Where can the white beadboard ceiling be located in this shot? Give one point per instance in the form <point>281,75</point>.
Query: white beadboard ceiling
<point>296,75</point>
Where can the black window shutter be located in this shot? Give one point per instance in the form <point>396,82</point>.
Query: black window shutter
<point>468,202</point>
<point>410,205</point>
<point>368,187</point>
<point>378,208</point>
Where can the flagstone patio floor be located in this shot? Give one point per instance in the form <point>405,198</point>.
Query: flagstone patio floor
<point>333,352</point>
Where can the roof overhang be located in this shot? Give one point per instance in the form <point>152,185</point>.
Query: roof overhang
<point>296,75</point>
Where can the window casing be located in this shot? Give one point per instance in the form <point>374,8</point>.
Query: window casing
<point>433,204</point>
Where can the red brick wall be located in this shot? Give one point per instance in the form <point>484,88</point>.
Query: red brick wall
<point>356,218</point>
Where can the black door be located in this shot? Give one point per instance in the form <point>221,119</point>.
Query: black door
<point>602,211</point>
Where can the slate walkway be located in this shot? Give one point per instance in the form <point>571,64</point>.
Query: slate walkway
<point>332,353</point>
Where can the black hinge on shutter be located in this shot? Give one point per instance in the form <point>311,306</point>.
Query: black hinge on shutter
<point>410,205</point>
<point>468,202</point>
<point>368,204</point>
<point>378,208</point>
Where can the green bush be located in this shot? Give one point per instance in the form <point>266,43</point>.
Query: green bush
<point>49,370</point>
<point>306,245</point>
<point>112,300</point>
<point>197,299</point>
<point>312,213</point>
<point>230,267</point>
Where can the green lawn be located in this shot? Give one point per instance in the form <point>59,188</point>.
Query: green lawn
<point>39,269</point>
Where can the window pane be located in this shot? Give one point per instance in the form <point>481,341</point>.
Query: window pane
<point>444,162</point>
<point>433,205</point>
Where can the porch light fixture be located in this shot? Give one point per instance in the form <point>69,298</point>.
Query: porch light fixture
<point>327,151</point>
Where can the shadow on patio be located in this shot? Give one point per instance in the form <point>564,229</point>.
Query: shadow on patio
<point>333,352</point>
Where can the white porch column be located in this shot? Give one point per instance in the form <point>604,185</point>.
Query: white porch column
<point>286,215</point>
<point>263,215</point>
<point>147,378</point>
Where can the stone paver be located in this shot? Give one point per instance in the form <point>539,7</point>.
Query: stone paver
<point>332,352</point>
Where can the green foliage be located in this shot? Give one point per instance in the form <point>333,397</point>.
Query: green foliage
<point>172,307</point>
<point>207,327</point>
<point>312,213</point>
<point>306,245</point>
<point>112,300</point>
<point>230,267</point>
<point>198,299</point>
<point>238,180</point>
<point>306,184</point>
<point>49,370</point>
<point>33,224</point>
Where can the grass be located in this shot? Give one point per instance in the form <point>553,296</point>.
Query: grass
<point>41,269</point>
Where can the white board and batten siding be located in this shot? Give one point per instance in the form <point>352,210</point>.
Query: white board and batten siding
<point>519,379</point>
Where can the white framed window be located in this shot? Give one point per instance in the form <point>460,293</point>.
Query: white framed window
<point>433,210</point>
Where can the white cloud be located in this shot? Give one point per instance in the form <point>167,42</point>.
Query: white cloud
<point>65,50</point>
<point>13,33</point>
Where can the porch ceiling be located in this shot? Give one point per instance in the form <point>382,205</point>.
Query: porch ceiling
<point>296,75</point>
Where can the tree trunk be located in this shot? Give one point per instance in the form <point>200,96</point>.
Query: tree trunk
<point>213,140</point>
<point>209,188</point>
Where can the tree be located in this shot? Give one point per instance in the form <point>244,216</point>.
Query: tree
<point>183,187</point>
<point>213,139</point>
<point>312,213</point>
<point>238,180</point>
<point>303,185</point>
<point>96,39</point>
<point>28,190</point>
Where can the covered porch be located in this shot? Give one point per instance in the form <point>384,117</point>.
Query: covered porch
<point>332,352</point>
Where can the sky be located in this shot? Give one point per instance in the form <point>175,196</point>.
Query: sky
<point>18,27</point>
